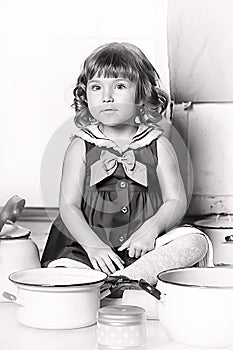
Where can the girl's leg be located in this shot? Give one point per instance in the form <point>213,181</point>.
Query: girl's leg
<point>184,251</point>
<point>66,262</point>
<point>62,250</point>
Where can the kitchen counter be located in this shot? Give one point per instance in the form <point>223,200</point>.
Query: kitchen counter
<point>16,336</point>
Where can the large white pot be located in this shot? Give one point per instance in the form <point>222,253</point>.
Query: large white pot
<point>196,305</point>
<point>219,228</point>
<point>57,298</point>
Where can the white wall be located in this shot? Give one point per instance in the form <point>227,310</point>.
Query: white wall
<point>44,43</point>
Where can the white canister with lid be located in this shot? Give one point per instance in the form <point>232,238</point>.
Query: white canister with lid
<point>121,327</point>
<point>219,228</point>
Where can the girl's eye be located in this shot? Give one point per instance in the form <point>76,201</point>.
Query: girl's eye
<point>121,86</point>
<point>95,87</point>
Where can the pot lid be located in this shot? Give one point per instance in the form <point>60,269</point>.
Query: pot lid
<point>12,231</point>
<point>217,221</point>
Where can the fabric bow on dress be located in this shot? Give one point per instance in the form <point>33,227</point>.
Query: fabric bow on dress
<point>107,165</point>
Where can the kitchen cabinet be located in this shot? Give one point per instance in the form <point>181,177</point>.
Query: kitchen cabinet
<point>200,63</point>
<point>200,48</point>
<point>207,132</point>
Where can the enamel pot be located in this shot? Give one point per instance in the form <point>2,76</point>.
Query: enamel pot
<point>57,298</point>
<point>17,252</point>
<point>219,229</point>
<point>196,305</point>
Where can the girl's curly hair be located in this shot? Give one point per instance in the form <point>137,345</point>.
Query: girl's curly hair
<point>127,61</point>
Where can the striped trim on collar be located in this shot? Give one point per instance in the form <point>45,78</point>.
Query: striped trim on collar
<point>143,137</point>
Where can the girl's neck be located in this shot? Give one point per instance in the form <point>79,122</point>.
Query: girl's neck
<point>122,133</point>
<point>125,131</point>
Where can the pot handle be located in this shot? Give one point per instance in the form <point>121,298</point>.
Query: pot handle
<point>229,239</point>
<point>11,297</point>
<point>223,214</point>
<point>150,289</point>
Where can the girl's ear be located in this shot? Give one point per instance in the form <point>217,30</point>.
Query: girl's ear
<point>141,103</point>
<point>140,113</point>
<point>141,107</point>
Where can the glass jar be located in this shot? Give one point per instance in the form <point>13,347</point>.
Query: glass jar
<point>121,327</point>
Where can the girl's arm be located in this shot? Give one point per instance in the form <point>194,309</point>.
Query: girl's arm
<point>174,203</point>
<point>71,190</point>
<point>172,188</point>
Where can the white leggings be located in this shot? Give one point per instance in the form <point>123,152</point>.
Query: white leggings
<point>184,251</point>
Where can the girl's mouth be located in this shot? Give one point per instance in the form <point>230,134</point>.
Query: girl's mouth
<point>108,110</point>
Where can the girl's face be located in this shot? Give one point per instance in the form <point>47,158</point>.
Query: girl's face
<point>111,101</point>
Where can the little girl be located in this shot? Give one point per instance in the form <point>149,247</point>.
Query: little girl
<point>121,188</point>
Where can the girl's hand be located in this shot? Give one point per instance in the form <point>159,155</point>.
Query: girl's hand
<point>139,243</point>
<point>104,259</point>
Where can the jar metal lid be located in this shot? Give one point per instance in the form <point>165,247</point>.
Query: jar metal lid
<point>123,314</point>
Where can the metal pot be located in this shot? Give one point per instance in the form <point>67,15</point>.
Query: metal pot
<point>17,252</point>
<point>219,228</point>
<point>57,298</point>
<point>196,305</point>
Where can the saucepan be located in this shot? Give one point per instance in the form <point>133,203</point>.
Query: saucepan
<point>195,305</point>
<point>57,298</point>
<point>61,297</point>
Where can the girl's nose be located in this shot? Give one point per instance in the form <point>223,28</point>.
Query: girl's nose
<point>108,99</point>
<point>107,96</point>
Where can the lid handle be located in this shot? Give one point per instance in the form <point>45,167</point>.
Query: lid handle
<point>11,210</point>
<point>223,214</point>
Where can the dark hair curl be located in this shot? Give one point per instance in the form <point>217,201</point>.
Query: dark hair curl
<point>127,61</point>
